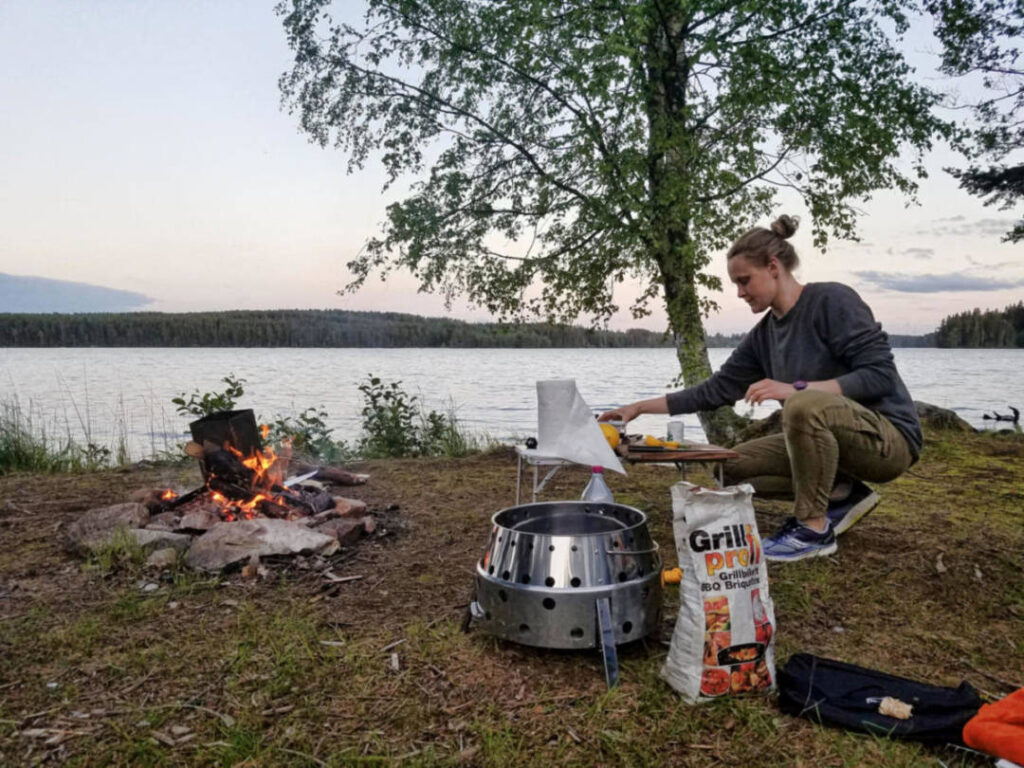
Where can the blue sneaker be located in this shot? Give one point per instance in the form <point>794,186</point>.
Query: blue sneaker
<point>843,514</point>
<point>796,541</point>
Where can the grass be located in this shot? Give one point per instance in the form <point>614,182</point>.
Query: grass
<point>29,444</point>
<point>217,671</point>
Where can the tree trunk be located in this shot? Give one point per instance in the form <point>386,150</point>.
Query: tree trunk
<point>674,252</point>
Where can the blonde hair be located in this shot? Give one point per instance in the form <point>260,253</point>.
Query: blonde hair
<point>758,245</point>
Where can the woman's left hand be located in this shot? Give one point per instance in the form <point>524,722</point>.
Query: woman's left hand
<point>768,389</point>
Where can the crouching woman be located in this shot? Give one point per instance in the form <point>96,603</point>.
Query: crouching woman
<point>846,413</point>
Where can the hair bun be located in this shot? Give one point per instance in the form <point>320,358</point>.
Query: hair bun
<point>785,226</point>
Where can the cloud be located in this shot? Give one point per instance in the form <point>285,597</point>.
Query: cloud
<point>953,281</point>
<point>40,294</point>
<point>998,265</point>
<point>919,253</point>
<point>957,226</point>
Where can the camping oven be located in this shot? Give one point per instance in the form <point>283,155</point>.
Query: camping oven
<point>569,574</point>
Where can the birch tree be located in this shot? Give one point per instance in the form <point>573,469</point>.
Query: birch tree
<point>560,148</point>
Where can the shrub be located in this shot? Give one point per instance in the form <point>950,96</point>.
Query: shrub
<point>394,425</point>
<point>203,404</point>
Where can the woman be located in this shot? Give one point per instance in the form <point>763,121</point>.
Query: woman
<point>845,409</point>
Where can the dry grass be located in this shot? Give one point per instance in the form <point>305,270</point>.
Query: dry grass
<point>291,672</point>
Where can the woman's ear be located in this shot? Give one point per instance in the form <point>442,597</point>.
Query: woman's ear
<point>774,267</point>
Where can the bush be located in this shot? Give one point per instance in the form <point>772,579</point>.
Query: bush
<point>204,404</point>
<point>395,426</point>
<point>309,435</point>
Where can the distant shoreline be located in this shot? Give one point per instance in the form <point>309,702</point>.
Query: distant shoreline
<point>327,329</point>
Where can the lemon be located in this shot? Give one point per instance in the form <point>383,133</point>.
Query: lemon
<point>611,434</point>
<point>655,442</point>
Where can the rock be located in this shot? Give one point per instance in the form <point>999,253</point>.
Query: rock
<point>201,519</point>
<point>228,543</point>
<point>150,587</point>
<point>97,526</point>
<point>770,425</point>
<point>320,517</point>
<point>163,558</point>
<point>940,418</point>
<point>369,524</point>
<point>149,539</point>
<point>344,530</point>
<point>150,498</point>
<point>349,507</point>
<point>164,521</point>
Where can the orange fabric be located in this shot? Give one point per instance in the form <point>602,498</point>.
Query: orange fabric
<point>998,729</point>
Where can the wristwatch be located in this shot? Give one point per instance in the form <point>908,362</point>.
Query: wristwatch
<point>799,385</point>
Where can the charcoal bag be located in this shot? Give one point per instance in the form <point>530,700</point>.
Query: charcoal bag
<point>844,695</point>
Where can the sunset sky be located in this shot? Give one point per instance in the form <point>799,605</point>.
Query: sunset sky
<point>145,150</point>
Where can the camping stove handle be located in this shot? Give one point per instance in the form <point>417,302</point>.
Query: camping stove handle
<point>655,548</point>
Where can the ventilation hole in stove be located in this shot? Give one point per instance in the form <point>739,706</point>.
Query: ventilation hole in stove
<point>616,543</point>
<point>499,538</point>
<point>549,581</point>
<point>627,627</point>
<point>574,581</point>
<point>524,627</point>
<point>639,571</point>
<point>529,545</point>
<point>525,578</point>
<point>551,547</point>
<point>491,570</point>
<point>513,543</point>
<point>549,603</point>
<point>503,595</point>
<point>505,575</point>
<point>622,576</point>
<point>576,632</point>
<point>574,547</point>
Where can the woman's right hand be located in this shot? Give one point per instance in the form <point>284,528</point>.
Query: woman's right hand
<point>624,413</point>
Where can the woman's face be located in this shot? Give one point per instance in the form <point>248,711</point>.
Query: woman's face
<point>755,284</point>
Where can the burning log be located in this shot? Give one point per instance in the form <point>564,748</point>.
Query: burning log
<point>335,475</point>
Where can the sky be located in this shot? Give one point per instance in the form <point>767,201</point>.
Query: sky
<point>145,150</point>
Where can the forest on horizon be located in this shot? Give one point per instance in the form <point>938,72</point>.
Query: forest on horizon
<point>343,328</point>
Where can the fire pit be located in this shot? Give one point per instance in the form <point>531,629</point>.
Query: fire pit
<point>569,574</point>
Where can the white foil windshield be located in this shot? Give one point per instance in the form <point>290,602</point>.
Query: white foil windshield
<point>567,429</point>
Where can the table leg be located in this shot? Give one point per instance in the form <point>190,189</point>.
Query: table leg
<point>519,477</point>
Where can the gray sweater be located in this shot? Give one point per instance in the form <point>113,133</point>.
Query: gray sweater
<point>829,333</point>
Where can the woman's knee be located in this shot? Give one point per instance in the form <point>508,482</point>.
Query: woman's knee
<point>805,408</point>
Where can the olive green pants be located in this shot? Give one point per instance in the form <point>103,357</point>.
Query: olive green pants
<point>822,435</point>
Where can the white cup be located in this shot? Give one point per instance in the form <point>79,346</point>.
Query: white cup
<point>675,431</point>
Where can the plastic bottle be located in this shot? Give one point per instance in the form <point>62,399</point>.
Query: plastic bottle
<point>597,489</point>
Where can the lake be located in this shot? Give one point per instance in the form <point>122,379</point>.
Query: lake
<point>103,393</point>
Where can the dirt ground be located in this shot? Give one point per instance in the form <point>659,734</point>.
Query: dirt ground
<point>100,667</point>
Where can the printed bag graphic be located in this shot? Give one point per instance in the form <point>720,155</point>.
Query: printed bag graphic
<point>724,636</point>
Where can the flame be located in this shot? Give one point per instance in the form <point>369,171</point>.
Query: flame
<point>268,469</point>
<point>265,431</point>
<point>168,495</point>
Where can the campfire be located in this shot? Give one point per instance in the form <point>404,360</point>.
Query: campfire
<point>244,479</point>
<point>248,507</point>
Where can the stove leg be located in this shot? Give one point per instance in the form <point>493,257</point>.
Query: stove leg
<point>607,633</point>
